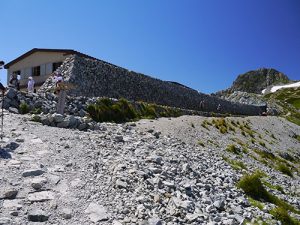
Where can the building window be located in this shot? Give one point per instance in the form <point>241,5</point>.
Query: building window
<point>56,65</point>
<point>36,71</point>
<point>18,72</point>
<point>43,69</point>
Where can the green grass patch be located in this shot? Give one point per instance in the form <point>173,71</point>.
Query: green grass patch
<point>233,149</point>
<point>252,186</point>
<point>206,124</point>
<point>221,125</point>
<point>282,215</point>
<point>284,169</point>
<point>256,203</point>
<point>36,118</point>
<point>274,187</point>
<point>201,143</point>
<point>231,128</point>
<point>289,100</point>
<point>262,143</point>
<point>106,110</point>
<point>273,136</point>
<point>265,154</point>
<point>24,108</point>
<point>36,111</point>
<point>239,141</point>
<point>297,137</point>
<point>245,150</point>
<point>235,164</point>
<point>257,221</point>
<point>294,117</point>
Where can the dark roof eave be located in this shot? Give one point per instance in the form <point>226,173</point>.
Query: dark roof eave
<point>66,51</point>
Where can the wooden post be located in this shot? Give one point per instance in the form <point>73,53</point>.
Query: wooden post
<point>61,102</point>
<point>62,89</point>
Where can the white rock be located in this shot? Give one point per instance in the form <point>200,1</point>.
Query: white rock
<point>12,204</point>
<point>41,196</point>
<point>97,212</point>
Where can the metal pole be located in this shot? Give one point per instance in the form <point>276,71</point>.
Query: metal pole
<point>2,115</point>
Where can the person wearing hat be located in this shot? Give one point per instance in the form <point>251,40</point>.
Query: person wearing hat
<point>30,85</point>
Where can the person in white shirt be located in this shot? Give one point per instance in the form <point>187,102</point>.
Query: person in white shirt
<point>57,78</point>
<point>30,85</point>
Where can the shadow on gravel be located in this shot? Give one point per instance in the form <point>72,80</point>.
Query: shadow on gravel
<point>5,152</point>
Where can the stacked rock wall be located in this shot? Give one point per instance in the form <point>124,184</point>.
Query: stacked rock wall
<point>93,78</point>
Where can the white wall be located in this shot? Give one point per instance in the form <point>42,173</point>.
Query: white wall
<point>36,59</point>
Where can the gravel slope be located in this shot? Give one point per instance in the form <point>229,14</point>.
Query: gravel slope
<point>132,174</point>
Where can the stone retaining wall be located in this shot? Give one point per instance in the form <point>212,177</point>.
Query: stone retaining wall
<point>94,78</point>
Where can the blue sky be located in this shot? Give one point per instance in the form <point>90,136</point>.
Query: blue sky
<point>201,44</point>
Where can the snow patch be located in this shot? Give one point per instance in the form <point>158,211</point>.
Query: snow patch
<point>276,88</point>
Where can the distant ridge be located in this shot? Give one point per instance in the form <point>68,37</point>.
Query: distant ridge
<point>255,81</point>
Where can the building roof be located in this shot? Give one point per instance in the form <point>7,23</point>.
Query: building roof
<point>34,50</point>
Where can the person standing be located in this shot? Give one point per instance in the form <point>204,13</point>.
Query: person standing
<point>18,82</point>
<point>13,81</point>
<point>30,85</point>
<point>58,79</point>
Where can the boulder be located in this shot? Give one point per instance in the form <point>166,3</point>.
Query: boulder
<point>38,215</point>
<point>97,212</point>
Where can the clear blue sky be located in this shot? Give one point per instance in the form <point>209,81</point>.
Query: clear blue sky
<point>201,44</point>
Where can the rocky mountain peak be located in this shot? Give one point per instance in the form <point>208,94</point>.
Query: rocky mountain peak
<point>255,81</point>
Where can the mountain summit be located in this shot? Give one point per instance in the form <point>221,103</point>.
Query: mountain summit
<point>255,81</point>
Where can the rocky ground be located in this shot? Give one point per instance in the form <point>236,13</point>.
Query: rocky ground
<point>165,171</point>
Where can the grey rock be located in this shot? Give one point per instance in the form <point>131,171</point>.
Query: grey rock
<point>57,118</point>
<point>155,159</point>
<point>286,156</point>
<point>154,221</point>
<point>11,93</point>
<point>219,204</point>
<point>9,194</point>
<point>121,184</point>
<point>157,134</point>
<point>38,182</point>
<point>192,217</point>
<point>12,204</point>
<point>119,138</point>
<point>168,184</point>
<point>239,219</point>
<point>32,173</point>
<point>82,113</point>
<point>13,110</point>
<point>5,221</point>
<point>41,196</point>
<point>82,126</point>
<point>63,124</point>
<point>38,215</point>
<point>20,140</point>
<point>73,122</point>
<point>66,213</point>
<point>116,222</point>
<point>97,212</point>
<point>185,204</point>
<point>14,213</point>
<point>228,222</point>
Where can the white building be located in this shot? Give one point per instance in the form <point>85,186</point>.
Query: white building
<point>38,63</point>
